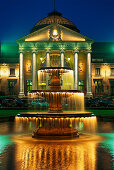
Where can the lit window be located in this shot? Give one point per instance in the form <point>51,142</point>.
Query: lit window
<point>81,85</point>
<point>97,71</point>
<point>112,71</point>
<point>99,88</point>
<point>29,85</point>
<point>12,72</point>
<point>11,86</point>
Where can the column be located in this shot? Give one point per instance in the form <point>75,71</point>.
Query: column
<point>21,74</point>
<point>76,69</point>
<point>47,58</point>
<point>34,71</point>
<point>62,59</point>
<point>47,65</point>
<point>88,76</point>
<point>62,63</point>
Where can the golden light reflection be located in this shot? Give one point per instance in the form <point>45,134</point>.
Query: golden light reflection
<point>58,155</point>
<point>76,154</point>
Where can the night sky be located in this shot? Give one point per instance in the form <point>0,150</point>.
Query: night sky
<point>94,18</point>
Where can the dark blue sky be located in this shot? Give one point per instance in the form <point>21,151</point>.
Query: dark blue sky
<point>94,18</point>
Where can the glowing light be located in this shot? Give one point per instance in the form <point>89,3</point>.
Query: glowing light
<point>55,32</point>
<point>70,71</point>
<point>69,59</point>
<point>4,72</point>
<point>41,58</point>
<point>29,67</point>
<point>42,84</point>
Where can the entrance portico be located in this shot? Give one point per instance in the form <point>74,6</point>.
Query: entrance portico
<point>71,47</point>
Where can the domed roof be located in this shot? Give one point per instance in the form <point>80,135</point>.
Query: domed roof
<point>54,17</point>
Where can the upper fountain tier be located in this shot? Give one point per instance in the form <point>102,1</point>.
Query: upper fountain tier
<point>59,69</point>
<point>55,74</point>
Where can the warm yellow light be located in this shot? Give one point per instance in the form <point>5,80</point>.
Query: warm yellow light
<point>71,71</point>
<point>4,72</point>
<point>55,32</point>
<point>80,94</point>
<point>41,58</point>
<point>29,67</point>
<point>42,84</point>
<point>68,84</point>
<point>38,36</point>
<point>69,59</point>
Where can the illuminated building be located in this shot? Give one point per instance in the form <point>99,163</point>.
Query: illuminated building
<point>103,69</point>
<point>9,69</point>
<point>55,41</point>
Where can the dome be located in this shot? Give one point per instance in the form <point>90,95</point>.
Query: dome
<point>54,17</point>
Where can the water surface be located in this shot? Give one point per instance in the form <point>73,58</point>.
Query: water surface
<point>93,150</point>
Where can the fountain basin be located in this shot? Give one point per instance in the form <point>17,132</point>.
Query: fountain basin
<point>52,133</point>
<point>65,114</point>
<point>55,122</point>
<point>49,126</point>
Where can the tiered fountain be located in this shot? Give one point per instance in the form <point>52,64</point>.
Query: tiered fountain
<point>55,122</point>
<point>56,96</point>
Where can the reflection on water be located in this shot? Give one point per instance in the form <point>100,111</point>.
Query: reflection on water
<point>56,156</point>
<point>6,154</point>
<point>108,145</point>
<point>4,142</point>
<point>88,152</point>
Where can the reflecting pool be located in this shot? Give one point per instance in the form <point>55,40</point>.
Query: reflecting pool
<point>93,150</point>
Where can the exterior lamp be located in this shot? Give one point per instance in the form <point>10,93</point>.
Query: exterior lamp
<point>69,59</point>
<point>55,33</point>
<point>41,59</point>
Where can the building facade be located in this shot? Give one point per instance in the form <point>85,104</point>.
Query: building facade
<point>55,41</point>
<point>9,69</point>
<point>103,69</point>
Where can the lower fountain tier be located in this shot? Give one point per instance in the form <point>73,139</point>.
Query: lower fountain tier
<point>55,132</point>
<point>65,114</point>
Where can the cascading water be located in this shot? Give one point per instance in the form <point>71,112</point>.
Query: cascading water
<point>55,122</point>
<point>64,128</point>
<point>57,97</point>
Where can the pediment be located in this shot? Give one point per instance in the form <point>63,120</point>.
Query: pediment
<point>55,32</point>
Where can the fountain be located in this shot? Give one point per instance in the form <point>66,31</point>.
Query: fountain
<point>56,123</point>
<point>56,95</point>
